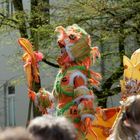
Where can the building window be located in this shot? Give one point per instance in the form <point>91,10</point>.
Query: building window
<point>11,90</point>
<point>11,106</point>
<point>6,8</point>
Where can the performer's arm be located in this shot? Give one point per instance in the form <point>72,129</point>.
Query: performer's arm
<point>84,98</point>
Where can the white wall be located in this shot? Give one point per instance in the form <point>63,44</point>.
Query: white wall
<point>11,69</point>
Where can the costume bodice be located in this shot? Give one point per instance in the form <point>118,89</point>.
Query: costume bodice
<point>64,86</point>
<point>64,83</point>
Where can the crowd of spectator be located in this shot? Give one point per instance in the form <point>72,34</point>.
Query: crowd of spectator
<point>46,127</point>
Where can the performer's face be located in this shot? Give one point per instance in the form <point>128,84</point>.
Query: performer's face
<point>66,39</point>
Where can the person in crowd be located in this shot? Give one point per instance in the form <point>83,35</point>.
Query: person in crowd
<point>15,133</point>
<point>127,126</point>
<point>47,127</point>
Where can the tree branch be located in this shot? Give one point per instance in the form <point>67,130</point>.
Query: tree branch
<point>50,63</point>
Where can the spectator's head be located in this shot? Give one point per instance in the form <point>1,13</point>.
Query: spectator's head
<point>51,128</point>
<point>17,133</point>
<point>128,124</point>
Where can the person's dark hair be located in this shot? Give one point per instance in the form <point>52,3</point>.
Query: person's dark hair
<point>52,128</point>
<point>124,128</point>
<point>16,133</point>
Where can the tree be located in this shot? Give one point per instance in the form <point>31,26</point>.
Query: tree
<point>108,22</point>
<point>111,24</point>
<point>29,26</point>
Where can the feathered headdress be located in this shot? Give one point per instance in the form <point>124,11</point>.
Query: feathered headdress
<point>131,77</point>
<point>77,43</point>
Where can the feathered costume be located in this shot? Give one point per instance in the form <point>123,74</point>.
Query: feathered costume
<point>131,79</point>
<point>72,94</point>
<point>130,84</point>
<point>73,82</point>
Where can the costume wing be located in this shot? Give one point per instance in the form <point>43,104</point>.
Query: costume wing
<point>128,67</point>
<point>31,70</point>
<point>136,72</point>
<point>27,46</point>
<point>135,58</point>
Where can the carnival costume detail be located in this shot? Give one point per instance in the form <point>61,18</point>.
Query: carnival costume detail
<point>73,82</point>
<point>72,94</point>
<point>130,84</point>
<point>31,59</point>
<point>131,80</point>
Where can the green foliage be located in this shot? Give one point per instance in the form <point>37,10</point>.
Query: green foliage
<point>113,25</point>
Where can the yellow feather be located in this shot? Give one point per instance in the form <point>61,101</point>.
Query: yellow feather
<point>128,67</point>
<point>135,58</point>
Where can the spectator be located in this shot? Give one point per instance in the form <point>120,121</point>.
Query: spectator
<point>52,128</point>
<point>17,133</point>
<point>127,126</point>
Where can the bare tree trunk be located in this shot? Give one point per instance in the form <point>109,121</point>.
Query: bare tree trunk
<point>22,26</point>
